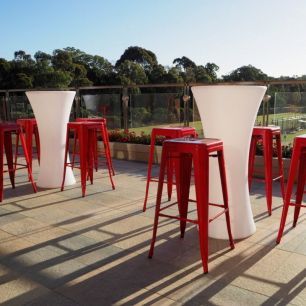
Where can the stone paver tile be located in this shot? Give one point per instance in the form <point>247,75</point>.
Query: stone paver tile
<point>58,272</point>
<point>13,246</point>
<point>20,290</point>
<point>130,275</point>
<point>291,277</point>
<point>260,277</point>
<point>7,216</point>
<point>47,235</point>
<point>40,200</point>
<point>55,217</point>
<point>51,299</point>
<point>224,294</point>
<point>23,227</point>
<point>4,236</point>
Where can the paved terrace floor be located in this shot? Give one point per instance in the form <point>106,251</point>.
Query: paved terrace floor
<point>57,248</point>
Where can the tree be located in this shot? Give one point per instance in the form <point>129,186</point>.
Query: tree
<point>131,73</point>
<point>157,75</point>
<point>246,73</point>
<point>174,76</point>
<point>53,79</point>
<point>5,68</point>
<point>211,69</point>
<point>184,63</point>
<point>62,60</point>
<point>146,58</point>
<point>202,75</point>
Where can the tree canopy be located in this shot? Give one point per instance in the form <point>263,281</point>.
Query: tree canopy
<point>71,67</point>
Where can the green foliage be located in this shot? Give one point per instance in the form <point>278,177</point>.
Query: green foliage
<point>246,73</point>
<point>132,137</point>
<point>140,115</point>
<point>143,57</point>
<point>131,73</point>
<point>71,67</point>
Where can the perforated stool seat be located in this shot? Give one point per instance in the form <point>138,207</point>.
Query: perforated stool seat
<point>297,167</point>
<point>86,136</point>
<point>6,132</point>
<point>185,152</point>
<point>168,133</point>
<point>267,135</point>
<point>29,128</point>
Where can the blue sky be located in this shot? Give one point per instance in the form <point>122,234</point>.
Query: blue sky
<point>270,34</point>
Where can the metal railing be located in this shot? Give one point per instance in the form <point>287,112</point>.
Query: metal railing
<point>141,106</point>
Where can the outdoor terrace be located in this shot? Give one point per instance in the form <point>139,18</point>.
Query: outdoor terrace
<point>57,248</point>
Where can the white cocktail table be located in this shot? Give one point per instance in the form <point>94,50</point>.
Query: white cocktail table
<point>52,111</point>
<point>228,112</point>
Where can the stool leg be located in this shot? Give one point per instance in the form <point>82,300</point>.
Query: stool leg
<point>201,177</point>
<point>107,155</point>
<point>225,197</point>
<point>95,149</point>
<point>9,156</point>
<point>280,164</point>
<point>267,146</point>
<point>75,137</point>
<point>16,151</point>
<point>170,165</point>
<point>150,161</point>
<point>290,182</point>
<point>91,154</point>
<point>158,199</point>
<point>1,164</point>
<point>29,139</point>
<point>183,167</point>
<point>106,140</point>
<point>26,155</point>
<point>251,159</point>
<point>37,142</point>
<point>83,142</point>
<point>300,188</point>
<point>65,158</point>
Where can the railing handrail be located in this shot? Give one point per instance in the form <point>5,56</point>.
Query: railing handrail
<point>164,85</point>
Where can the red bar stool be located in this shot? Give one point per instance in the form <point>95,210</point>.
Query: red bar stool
<point>105,139</point>
<point>297,165</point>
<point>267,135</point>
<point>86,136</point>
<point>28,128</point>
<point>6,132</point>
<point>169,133</point>
<point>185,151</point>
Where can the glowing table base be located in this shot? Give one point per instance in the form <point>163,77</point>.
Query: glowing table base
<point>228,113</point>
<point>52,111</point>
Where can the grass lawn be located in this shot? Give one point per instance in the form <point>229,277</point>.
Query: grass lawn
<point>282,117</point>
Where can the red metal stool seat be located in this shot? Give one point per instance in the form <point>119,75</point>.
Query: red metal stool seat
<point>297,166</point>
<point>168,133</point>
<point>185,152</point>
<point>267,135</point>
<point>86,136</point>
<point>105,139</point>
<point>29,128</point>
<point>6,132</point>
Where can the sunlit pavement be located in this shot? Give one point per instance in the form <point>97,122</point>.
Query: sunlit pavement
<point>57,248</point>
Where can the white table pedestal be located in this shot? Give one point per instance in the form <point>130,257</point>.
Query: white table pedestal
<point>228,112</point>
<point>52,110</point>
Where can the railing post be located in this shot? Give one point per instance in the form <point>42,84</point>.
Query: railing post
<point>7,114</point>
<point>125,108</point>
<point>186,99</point>
<point>265,118</point>
<point>77,99</point>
